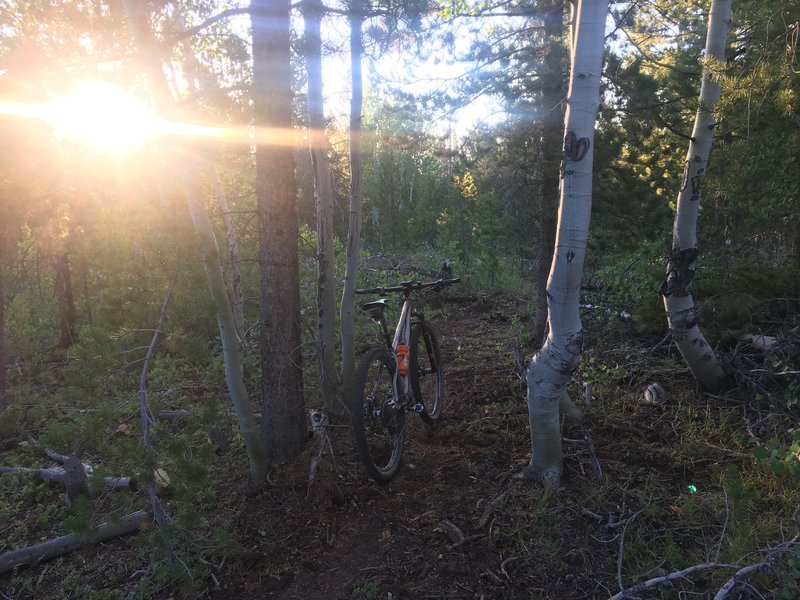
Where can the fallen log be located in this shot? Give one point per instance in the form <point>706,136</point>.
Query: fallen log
<point>46,474</point>
<point>67,543</point>
<point>57,474</point>
<point>172,415</point>
<point>75,481</point>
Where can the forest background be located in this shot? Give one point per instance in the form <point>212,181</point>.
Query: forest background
<point>93,236</point>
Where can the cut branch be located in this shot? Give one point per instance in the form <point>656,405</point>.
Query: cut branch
<point>768,563</point>
<point>111,483</point>
<point>62,545</point>
<point>657,581</point>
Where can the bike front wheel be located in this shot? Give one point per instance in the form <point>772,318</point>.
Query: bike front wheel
<point>426,372</point>
<point>378,420</point>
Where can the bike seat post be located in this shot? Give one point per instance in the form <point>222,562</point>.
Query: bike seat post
<point>387,338</point>
<point>376,310</point>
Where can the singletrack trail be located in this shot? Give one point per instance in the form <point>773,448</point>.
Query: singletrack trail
<point>428,532</point>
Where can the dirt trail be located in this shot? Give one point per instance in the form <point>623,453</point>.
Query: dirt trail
<point>427,533</point>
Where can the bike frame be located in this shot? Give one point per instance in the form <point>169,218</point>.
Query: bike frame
<point>381,402</point>
<point>402,333</point>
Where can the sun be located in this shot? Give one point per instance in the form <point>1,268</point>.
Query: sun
<point>110,120</point>
<point>103,116</point>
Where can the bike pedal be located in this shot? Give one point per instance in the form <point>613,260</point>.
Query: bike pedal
<point>417,408</point>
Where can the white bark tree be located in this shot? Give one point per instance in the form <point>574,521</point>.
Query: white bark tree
<point>233,270</point>
<point>554,60</point>
<point>323,193</point>
<point>553,364</point>
<point>354,224</point>
<point>682,264</point>
<point>234,372</point>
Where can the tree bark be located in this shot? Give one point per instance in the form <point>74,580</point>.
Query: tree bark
<point>57,474</point>
<point>354,222</point>
<point>555,59</point>
<point>75,481</point>
<point>318,147</point>
<point>235,273</point>
<point>62,545</point>
<point>682,263</point>
<point>284,419</point>
<point>234,369</point>
<point>552,366</point>
<point>234,374</point>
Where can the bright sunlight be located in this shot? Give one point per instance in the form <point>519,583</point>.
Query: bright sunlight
<point>109,119</point>
<point>98,114</point>
<point>104,116</point>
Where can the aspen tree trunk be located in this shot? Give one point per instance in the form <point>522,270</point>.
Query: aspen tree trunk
<point>354,225</point>
<point>553,93</point>
<point>682,264</point>
<point>552,366</point>
<point>573,25</point>
<point>284,421</point>
<point>234,370</point>
<point>234,373</point>
<point>234,272</point>
<point>323,192</point>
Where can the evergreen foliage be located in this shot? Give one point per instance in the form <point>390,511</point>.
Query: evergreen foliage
<point>117,226</point>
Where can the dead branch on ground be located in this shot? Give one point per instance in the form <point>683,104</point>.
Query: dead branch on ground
<point>62,545</point>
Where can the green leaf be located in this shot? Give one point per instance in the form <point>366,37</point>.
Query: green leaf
<point>778,468</point>
<point>773,444</point>
<point>761,453</point>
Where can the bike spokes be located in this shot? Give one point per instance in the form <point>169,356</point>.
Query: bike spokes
<point>380,422</point>
<point>427,377</point>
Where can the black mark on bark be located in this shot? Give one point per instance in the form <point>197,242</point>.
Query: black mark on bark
<point>681,267</point>
<point>695,181</point>
<point>575,149</point>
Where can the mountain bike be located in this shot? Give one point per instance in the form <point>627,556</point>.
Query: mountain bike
<point>402,376</point>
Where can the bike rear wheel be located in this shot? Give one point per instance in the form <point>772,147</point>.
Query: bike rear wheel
<point>426,372</point>
<point>378,423</point>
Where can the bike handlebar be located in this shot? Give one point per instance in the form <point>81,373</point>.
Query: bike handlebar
<point>409,286</point>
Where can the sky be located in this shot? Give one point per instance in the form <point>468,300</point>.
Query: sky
<point>402,68</point>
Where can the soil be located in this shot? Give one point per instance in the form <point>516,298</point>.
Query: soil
<point>428,532</point>
<point>456,522</point>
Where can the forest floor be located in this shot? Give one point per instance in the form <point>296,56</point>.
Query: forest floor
<point>679,487</point>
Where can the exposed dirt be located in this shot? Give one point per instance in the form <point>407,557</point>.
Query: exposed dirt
<point>455,523</point>
<point>427,532</point>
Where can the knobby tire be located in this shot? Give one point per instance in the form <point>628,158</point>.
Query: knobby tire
<point>378,430</point>
<point>427,373</point>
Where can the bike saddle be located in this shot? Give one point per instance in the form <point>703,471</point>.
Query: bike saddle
<point>375,308</point>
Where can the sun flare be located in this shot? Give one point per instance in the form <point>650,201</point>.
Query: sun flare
<point>103,116</point>
<point>111,120</point>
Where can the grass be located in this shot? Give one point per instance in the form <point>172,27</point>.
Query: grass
<point>740,507</point>
<point>562,544</point>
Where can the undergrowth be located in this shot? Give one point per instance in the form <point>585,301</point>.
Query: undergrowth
<point>681,484</point>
